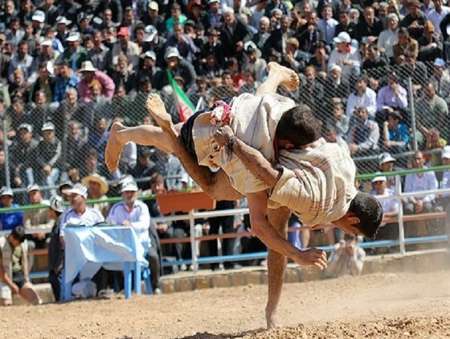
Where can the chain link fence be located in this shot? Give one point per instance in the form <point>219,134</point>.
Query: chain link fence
<point>398,110</point>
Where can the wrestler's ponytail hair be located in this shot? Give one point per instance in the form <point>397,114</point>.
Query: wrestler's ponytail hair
<point>299,126</point>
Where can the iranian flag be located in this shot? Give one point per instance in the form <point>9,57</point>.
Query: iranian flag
<point>185,107</point>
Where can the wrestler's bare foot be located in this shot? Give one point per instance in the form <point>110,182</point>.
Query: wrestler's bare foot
<point>113,147</point>
<point>157,110</point>
<point>271,319</point>
<point>289,78</point>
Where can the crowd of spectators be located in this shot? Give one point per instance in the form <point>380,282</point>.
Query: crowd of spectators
<point>69,68</point>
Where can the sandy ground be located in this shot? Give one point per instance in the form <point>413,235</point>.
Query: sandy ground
<point>403,305</point>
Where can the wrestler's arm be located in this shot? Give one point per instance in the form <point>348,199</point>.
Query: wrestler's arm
<point>257,204</point>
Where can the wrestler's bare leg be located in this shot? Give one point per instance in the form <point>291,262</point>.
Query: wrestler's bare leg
<point>217,185</point>
<point>276,263</point>
<point>145,135</point>
<point>278,76</point>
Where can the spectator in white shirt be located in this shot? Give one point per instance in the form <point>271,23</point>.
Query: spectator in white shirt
<point>389,37</point>
<point>390,208</point>
<point>437,14</point>
<point>363,96</point>
<point>327,25</point>
<point>134,213</point>
<point>420,182</point>
<point>346,56</point>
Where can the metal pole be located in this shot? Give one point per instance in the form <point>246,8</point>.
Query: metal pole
<point>412,109</point>
<point>6,150</point>
<point>401,227</point>
<point>193,242</point>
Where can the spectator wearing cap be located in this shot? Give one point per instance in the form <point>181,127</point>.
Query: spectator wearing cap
<point>176,17</point>
<point>134,213</point>
<point>55,246</point>
<point>405,44</point>
<point>178,67</point>
<point>79,213</point>
<point>74,54</point>
<point>392,94</point>
<point>254,63</point>
<point>151,17</point>
<point>362,96</point>
<point>9,220</point>
<point>213,14</point>
<point>62,29</point>
<point>21,60</point>
<point>345,56</point>
<point>415,19</point>
<point>369,25</point>
<point>14,270</point>
<point>183,43</point>
<point>420,182</point>
<point>233,33</point>
<point>390,208</point>
<point>97,187</point>
<point>389,37</point>
<point>23,155</point>
<point>327,25</point>
<point>441,79</point>
<point>335,85</point>
<point>88,74</point>
<point>364,134</point>
<point>66,78</point>
<point>46,53</point>
<point>395,133</point>
<point>48,159</point>
<point>432,111</point>
<point>386,163</point>
<point>124,46</point>
<point>37,22</point>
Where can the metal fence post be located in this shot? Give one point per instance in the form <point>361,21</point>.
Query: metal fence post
<point>193,241</point>
<point>412,109</point>
<point>401,227</point>
<point>6,150</point>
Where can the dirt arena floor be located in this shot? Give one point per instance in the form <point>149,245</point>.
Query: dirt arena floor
<point>403,305</point>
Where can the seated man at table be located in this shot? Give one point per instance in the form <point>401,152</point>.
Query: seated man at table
<point>81,214</point>
<point>134,213</point>
<point>14,277</point>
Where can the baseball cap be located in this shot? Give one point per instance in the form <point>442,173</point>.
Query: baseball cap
<point>150,33</point>
<point>386,157</point>
<point>6,191</point>
<point>63,20</point>
<point>129,186</point>
<point>438,62</point>
<point>67,185</point>
<point>446,152</point>
<point>28,127</point>
<point>74,36</point>
<point>78,189</point>
<point>56,203</point>
<point>379,178</point>
<point>33,187</point>
<point>38,16</point>
<point>48,126</point>
<point>123,31</point>
<point>172,52</point>
<point>47,42</point>
<point>149,54</point>
<point>153,5</point>
<point>342,37</point>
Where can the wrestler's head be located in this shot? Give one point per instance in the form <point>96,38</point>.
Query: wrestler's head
<point>363,217</point>
<point>297,128</point>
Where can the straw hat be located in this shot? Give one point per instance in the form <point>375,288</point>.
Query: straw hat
<point>104,187</point>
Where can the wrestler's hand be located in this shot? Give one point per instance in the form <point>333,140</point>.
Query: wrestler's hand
<point>223,135</point>
<point>312,257</point>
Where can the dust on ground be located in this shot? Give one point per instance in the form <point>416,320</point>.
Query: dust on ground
<point>403,305</point>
